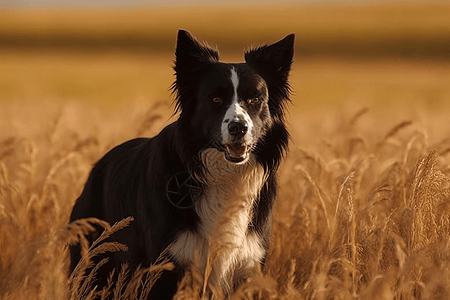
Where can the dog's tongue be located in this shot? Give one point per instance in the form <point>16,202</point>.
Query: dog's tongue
<point>236,150</point>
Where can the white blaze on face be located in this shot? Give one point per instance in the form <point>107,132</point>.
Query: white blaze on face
<point>236,113</point>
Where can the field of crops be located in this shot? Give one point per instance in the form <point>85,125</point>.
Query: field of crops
<point>364,204</point>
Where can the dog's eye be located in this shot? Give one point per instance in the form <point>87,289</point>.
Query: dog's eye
<point>216,100</point>
<point>255,100</point>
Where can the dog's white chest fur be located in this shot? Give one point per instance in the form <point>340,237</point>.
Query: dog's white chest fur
<point>223,246</point>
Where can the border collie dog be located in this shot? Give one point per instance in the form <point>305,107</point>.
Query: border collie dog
<point>203,189</point>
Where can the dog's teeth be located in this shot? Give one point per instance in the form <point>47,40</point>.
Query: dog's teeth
<point>236,156</point>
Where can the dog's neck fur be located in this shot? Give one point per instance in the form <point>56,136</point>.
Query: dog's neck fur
<point>225,210</point>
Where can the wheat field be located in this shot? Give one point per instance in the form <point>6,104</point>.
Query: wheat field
<point>363,210</point>
<point>364,205</point>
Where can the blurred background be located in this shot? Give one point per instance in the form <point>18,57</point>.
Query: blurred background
<point>371,94</point>
<point>390,57</point>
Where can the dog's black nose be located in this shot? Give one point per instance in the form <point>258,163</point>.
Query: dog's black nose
<point>237,129</point>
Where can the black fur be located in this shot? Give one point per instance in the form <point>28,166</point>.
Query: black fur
<point>131,179</point>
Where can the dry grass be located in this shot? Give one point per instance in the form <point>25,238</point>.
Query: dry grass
<point>363,213</point>
<point>364,206</point>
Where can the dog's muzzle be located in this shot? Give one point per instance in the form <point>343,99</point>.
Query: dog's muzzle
<point>236,149</point>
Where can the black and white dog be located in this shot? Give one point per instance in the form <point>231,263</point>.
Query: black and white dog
<point>205,186</point>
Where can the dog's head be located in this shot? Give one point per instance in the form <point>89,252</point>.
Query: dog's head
<point>232,106</point>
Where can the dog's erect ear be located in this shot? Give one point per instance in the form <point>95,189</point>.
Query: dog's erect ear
<point>191,54</point>
<point>273,62</point>
<point>191,57</point>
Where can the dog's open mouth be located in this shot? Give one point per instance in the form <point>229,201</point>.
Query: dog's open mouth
<point>236,152</point>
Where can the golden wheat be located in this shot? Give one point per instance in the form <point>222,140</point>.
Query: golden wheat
<point>355,219</point>
<point>364,204</point>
